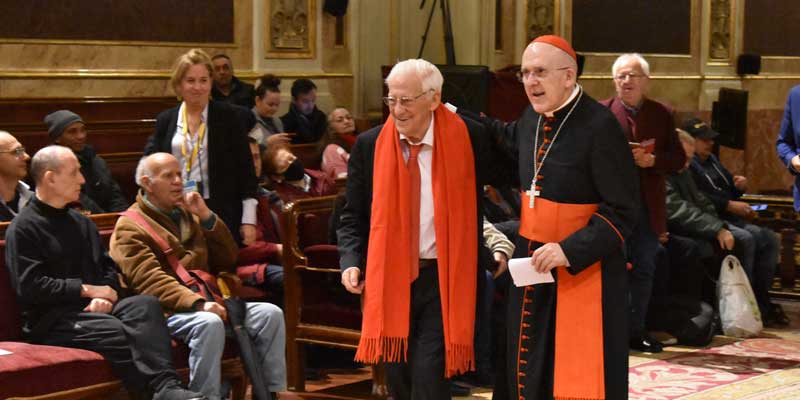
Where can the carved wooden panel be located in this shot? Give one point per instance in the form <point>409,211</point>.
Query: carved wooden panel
<point>541,18</point>
<point>621,26</point>
<point>720,40</point>
<point>189,21</point>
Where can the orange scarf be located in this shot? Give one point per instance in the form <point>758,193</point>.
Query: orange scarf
<point>579,309</point>
<point>387,298</point>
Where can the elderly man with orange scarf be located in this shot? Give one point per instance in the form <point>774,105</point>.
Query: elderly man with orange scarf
<point>409,235</point>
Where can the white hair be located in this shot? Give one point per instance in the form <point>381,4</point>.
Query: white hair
<point>428,74</point>
<point>144,168</point>
<point>623,59</point>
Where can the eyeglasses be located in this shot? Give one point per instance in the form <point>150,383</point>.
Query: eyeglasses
<point>19,152</point>
<point>537,73</point>
<point>625,75</point>
<point>404,101</point>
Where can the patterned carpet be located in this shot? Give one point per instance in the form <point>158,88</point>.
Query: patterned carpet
<point>766,367</point>
<point>762,368</point>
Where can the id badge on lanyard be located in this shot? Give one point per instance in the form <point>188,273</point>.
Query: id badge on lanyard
<point>189,156</point>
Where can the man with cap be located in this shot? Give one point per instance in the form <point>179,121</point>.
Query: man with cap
<point>725,190</point>
<point>13,168</point>
<point>569,339</point>
<point>649,127</point>
<point>100,193</point>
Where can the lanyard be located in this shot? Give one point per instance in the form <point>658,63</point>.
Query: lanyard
<point>195,149</point>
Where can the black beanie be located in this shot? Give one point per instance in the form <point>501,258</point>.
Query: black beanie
<point>58,121</point>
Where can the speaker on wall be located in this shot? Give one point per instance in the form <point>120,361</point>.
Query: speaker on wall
<point>337,8</point>
<point>581,59</point>
<point>729,118</point>
<point>748,64</point>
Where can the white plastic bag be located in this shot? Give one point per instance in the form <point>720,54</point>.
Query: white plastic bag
<point>738,308</point>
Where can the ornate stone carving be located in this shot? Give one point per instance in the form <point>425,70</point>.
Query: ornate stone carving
<point>540,18</point>
<point>289,24</point>
<point>720,44</point>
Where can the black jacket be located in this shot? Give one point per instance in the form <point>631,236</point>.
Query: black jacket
<point>716,183</point>
<point>230,166</point>
<point>50,253</point>
<point>242,94</point>
<point>689,212</point>
<point>308,129</point>
<point>100,193</point>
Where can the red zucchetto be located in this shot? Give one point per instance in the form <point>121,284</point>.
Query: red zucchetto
<point>557,41</point>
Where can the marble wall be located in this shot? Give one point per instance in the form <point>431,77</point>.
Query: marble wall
<point>116,69</point>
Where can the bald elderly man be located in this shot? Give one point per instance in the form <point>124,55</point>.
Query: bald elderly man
<point>569,339</point>
<point>201,241</point>
<point>68,288</point>
<point>13,168</point>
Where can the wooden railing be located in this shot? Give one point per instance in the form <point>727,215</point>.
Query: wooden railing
<point>781,217</point>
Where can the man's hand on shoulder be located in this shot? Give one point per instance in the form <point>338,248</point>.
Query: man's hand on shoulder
<point>193,202</point>
<point>351,279</point>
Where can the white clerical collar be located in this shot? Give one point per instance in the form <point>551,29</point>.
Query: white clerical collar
<point>575,91</point>
<point>427,139</point>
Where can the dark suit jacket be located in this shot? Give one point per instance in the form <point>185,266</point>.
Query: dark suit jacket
<point>230,166</point>
<point>354,224</point>
<point>653,121</point>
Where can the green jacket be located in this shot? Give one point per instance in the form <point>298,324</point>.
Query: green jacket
<point>689,212</point>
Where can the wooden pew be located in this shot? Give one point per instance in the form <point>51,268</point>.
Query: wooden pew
<point>317,308</point>
<point>781,218</point>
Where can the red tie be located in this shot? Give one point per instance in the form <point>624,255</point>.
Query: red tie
<point>414,180</point>
<point>632,125</point>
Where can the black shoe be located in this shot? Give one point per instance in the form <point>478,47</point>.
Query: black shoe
<point>177,393</point>
<point>457,390</point>
<point>646,344</point>
<point>775,317</point>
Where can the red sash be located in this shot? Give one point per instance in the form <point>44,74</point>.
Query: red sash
<point>579,366</point>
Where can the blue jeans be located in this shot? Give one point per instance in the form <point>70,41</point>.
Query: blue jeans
<point>205,332</point>
<point>757,249</point>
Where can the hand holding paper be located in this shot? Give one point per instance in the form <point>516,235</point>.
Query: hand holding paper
<point>523,274</point>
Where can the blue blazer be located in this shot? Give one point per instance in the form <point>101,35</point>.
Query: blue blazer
<point>788,143</point>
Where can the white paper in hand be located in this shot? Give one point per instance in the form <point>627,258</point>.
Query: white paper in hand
<point>523,274</point>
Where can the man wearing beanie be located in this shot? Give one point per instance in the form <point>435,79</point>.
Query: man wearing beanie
<point>569,339</point>
<point>100,193</point>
